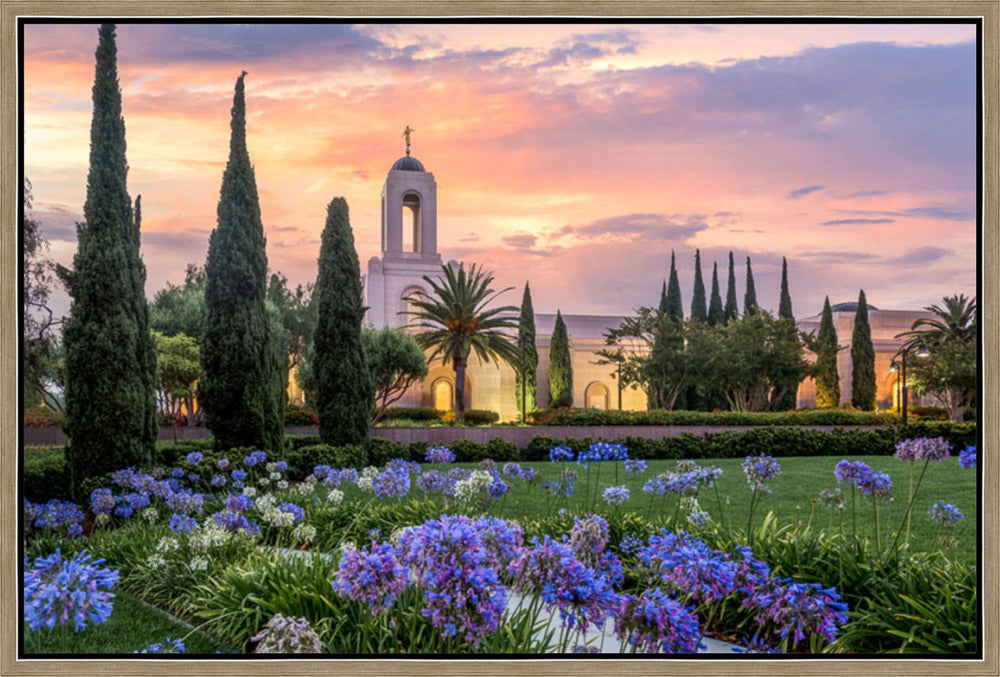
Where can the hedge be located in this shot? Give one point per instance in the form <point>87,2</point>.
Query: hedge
<point>472,416</point>
<point>847,417</point>
<point>45,474</point>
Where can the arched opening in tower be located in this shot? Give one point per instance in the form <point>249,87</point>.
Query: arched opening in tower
<point>411,223</point>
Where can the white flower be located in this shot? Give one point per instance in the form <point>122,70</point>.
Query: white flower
<point>155,561</point>
<point>304,533</point>
<point>198,563</point>
<point>347,546</point>
<point>263,481</point>
<point>278,518</point>
<point>249,492</point>
<point>303,489</point>
<point>275,476</point>
<point>282,485</point>
<point>365,484</point>
<point>335,496</point>
<point>167,544</point>
<point>370,472</point>
<point>150,514</point>
<point>264,502</point>
<point>271,467</point>
<point>309,480</point>
<point>208,535</point>
<point>469,489</point>
<point>102,519</point>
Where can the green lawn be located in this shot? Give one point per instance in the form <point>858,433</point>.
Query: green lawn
<point>791,497</point>
<point>133,626</point>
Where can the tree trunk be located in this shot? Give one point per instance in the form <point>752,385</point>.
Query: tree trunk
<point>458,364</point>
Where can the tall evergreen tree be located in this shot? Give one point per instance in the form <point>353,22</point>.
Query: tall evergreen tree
<point>750,297</point>
<point>238,392</point>
<point>790,399</point>
<point>560,367</point>
<point>863,389</point>
<point>528,353</point>
<point>785,304</point>
<point>732,312</point>
<point>716,315</point>
<point>674,305</point>
<point>699,306</point>
<point>344,390</point>
<point>826,349</point>
<point>110,356</point>
<point>663,298</point>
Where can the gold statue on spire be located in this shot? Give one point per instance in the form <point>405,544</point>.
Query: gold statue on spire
<point>406,134</point>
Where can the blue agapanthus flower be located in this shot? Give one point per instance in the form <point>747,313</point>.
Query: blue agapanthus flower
<point>182,524</point>
<point>616,495</point>
<point>58,590</point>
<point>194,458</point>
<point>255,458</point>
<point>168,645</point>
<point>967,457</point>
<point>945,513</point>
<point>294,510</point>
<point>561,454</point>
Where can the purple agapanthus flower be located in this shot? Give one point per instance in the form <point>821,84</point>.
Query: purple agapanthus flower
<point>851,472</point>
<point>182,524</point>
<point>759,469</point>
<point>655,623</point>
<point>967,457</point>
<point>945,513</point>
<point>690,566</point>
<point>374,575</point>
<point>802,609</point>
<point>101,501</point>
<point>439,454</point>
<point>194,458</point>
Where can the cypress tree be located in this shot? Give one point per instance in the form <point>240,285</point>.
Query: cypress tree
<point>663,298</point>
<point>560,367</point>
<point>827,376</point>
<point>237,391</point>
<point>785,304</point>
<point>110,357</point>
<point>732,312</point>
<point>529,352</point>
<point>716,315</point>
<point>344,389</point>
<point>789,400</point>
<point>863,391</point>
<point>699,307</point>
<point>674,305</point>
<point>750,297</point>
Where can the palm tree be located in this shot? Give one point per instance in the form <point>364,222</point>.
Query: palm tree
<point>456,321</point>
<point>957,320</point>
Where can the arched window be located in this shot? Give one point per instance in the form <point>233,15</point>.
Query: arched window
<point>596,396</point>
<point>444,395</point>
<point>411,222</point>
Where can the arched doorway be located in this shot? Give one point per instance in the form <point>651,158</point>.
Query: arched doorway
<point>443,393</point>
<point>596,396</point>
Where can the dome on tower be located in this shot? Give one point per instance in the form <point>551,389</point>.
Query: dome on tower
<point>409,164</point>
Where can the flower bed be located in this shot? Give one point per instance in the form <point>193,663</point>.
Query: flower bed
<point>385,571</point>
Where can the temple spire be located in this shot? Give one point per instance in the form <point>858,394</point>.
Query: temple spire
<point>406,134</point>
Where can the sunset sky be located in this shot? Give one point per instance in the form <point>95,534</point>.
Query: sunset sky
<point>573,156</point>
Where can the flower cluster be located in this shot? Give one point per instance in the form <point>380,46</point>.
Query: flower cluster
<point>688,479</point>
<point>851,472</point>
<point>297,513</point>
<point>182,524</point>
<point>635,466</point>
<point>255,458</point>
<point>759,469</point>
<point>833,499</point>
<point>168,645</point>
<point>54,515</point>
<point>878,485</point>
<point>654,622</point>
<point>561,454</point>
<point>101,501</point>
<point>287,635</point>
<point>375,575</point>
<point>967,457</point>
<point>439,454</point>
<point>689,565</point>
<point>57,590</point>
<point>923,449</point>
<point>562,487</point>
<point>801,609</point>
<point>945,513</point>
<point>453,559</point>
<point>392,483</point>
<point>616,495</point>
<point>194,458</point>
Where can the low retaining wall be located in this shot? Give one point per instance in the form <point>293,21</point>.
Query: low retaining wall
<point>446,435</point>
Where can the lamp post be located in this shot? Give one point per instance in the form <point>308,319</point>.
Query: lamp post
<point>522,340</point>
<point>619,379</point>
<point>922,351</point>
<point>894,368</point>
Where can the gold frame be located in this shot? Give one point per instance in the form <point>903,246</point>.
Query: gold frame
<point>9,203</point>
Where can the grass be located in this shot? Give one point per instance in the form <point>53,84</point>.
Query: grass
<point>133,626</point>
<point>791,498</point>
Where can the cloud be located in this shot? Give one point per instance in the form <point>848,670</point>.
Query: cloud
<point>939,213</point>
<point>520,241</point>
<point>284,229</point>
<point>679,227</point>
<point>856,222</point>
<point>799,192</point>
<point>921,255</point>
<point>862,193</point>
<point>837,256</point>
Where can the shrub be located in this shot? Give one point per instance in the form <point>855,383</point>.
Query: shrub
<point>927,412</point>
<point>481,417</point>
<point>413,414</point>
<point>43,417</point>
<point>46,476</point>
<point>300,417</point>
<point>577,417</point>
